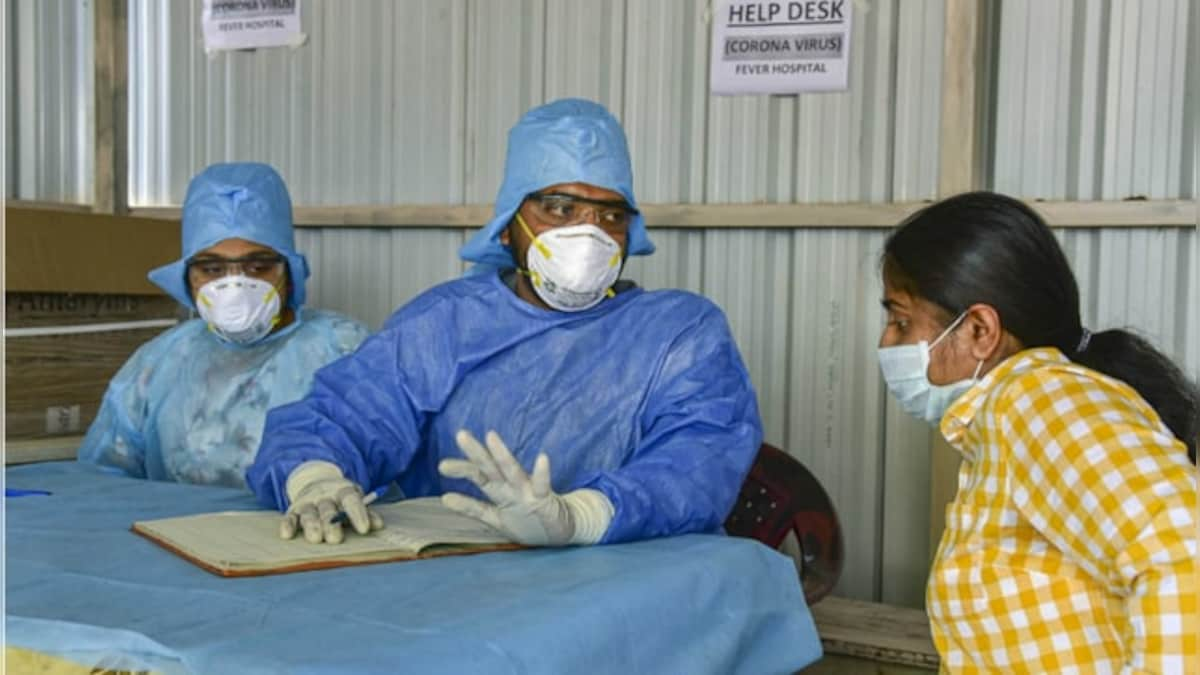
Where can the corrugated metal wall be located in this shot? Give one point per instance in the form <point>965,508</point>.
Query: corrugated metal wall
<point>48,75</point>
<point>409,102</point>
<point>1096,100</point>
<point>1144,280</point>
<point>1101,100</point>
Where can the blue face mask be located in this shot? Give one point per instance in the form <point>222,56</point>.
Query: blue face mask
<point>905,369</point>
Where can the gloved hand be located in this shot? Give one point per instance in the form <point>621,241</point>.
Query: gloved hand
<point>317,492</point>
<point>524,508</point>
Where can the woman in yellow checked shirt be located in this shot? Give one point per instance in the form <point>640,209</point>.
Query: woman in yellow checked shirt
<point>1071,545</point>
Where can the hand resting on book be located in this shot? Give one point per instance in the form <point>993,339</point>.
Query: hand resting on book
<point>317,492</point>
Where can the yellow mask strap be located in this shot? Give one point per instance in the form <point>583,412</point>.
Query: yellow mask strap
<point>278,318</point>
<point>545,251</point>
<point>532,274</point>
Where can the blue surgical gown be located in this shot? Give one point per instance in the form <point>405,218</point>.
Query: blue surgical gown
<point>188,407</point>
<point>643,397</point>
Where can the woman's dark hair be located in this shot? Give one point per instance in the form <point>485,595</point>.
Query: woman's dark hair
<point>982,247</point>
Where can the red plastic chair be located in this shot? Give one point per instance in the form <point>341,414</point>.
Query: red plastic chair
<point>780,496</point>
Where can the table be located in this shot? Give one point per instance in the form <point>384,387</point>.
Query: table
<point>81,586</point>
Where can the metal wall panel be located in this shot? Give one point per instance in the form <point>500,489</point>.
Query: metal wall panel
<point>505,61</point>
<point>876,142</point>
<point>1096,100</point>
<point>367,273</point>
<point>749,274</point>
<point>833,412</point>
<point>410,102</point>
<point>677,262</point>
<point>918,100</point>
<point>49,125</point>
<point>585,51</point>
<point>8,16</point>
<point>1143,280</point>
<point>666,98</point>
<point>903,563</point>
<point>363,114</point>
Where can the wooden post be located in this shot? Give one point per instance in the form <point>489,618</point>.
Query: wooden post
<point>111,75</point>
<point>960,169</point>
<point>961,157</point>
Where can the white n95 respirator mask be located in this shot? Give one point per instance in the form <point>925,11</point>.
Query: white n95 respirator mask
<point>572,268</point>
<point>906,371</point>
<point>238,308</point>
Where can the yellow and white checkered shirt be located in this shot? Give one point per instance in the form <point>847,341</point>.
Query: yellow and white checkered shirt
<point>1071,546</point>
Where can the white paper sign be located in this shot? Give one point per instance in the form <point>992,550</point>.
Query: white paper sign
<point>780,47</point>
<point>249,24</point>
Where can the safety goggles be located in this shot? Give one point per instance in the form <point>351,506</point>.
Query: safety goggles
<point>203,269</point>
<point>557,209</point>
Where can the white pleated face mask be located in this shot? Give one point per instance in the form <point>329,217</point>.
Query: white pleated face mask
<point>906,371</point>
<point>238,308</point>
<point>572,268</point>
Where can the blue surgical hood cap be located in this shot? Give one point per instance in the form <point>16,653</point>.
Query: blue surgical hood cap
<point>243,200</point>
<point>566,141</point>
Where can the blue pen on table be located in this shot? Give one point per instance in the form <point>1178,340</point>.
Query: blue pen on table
<point>368,499</point>
<point>18,492</point>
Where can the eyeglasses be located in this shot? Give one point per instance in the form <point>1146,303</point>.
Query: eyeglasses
<point>258,265</point>
<point>556,208</point>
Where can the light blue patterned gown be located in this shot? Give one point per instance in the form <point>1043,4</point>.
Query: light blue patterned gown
<point>189,407</point>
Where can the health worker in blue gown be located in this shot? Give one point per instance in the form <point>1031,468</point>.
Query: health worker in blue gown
<point>542,394</point>
<point>189,405</point>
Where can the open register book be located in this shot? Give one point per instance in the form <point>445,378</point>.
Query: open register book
<point>247,543</point>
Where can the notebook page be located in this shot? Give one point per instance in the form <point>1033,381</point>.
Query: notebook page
<point>250,539</point>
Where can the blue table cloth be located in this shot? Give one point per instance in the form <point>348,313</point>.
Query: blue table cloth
<point>81,586</point>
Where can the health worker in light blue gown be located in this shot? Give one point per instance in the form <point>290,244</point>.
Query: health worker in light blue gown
<point>541,395</point>
<point>189,405</point>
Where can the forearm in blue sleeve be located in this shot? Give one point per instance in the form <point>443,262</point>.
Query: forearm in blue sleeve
<point>359,415</point>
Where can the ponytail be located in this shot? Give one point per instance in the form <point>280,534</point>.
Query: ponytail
<point>1127,357</point>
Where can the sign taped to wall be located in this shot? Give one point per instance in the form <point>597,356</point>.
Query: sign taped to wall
<point>784,47</point>
<point>250,24</point>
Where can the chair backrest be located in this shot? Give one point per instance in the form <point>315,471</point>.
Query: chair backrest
<point>780,496</point>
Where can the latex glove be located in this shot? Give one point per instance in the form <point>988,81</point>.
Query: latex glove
<point>317,492</point>
<point>525,508</point>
